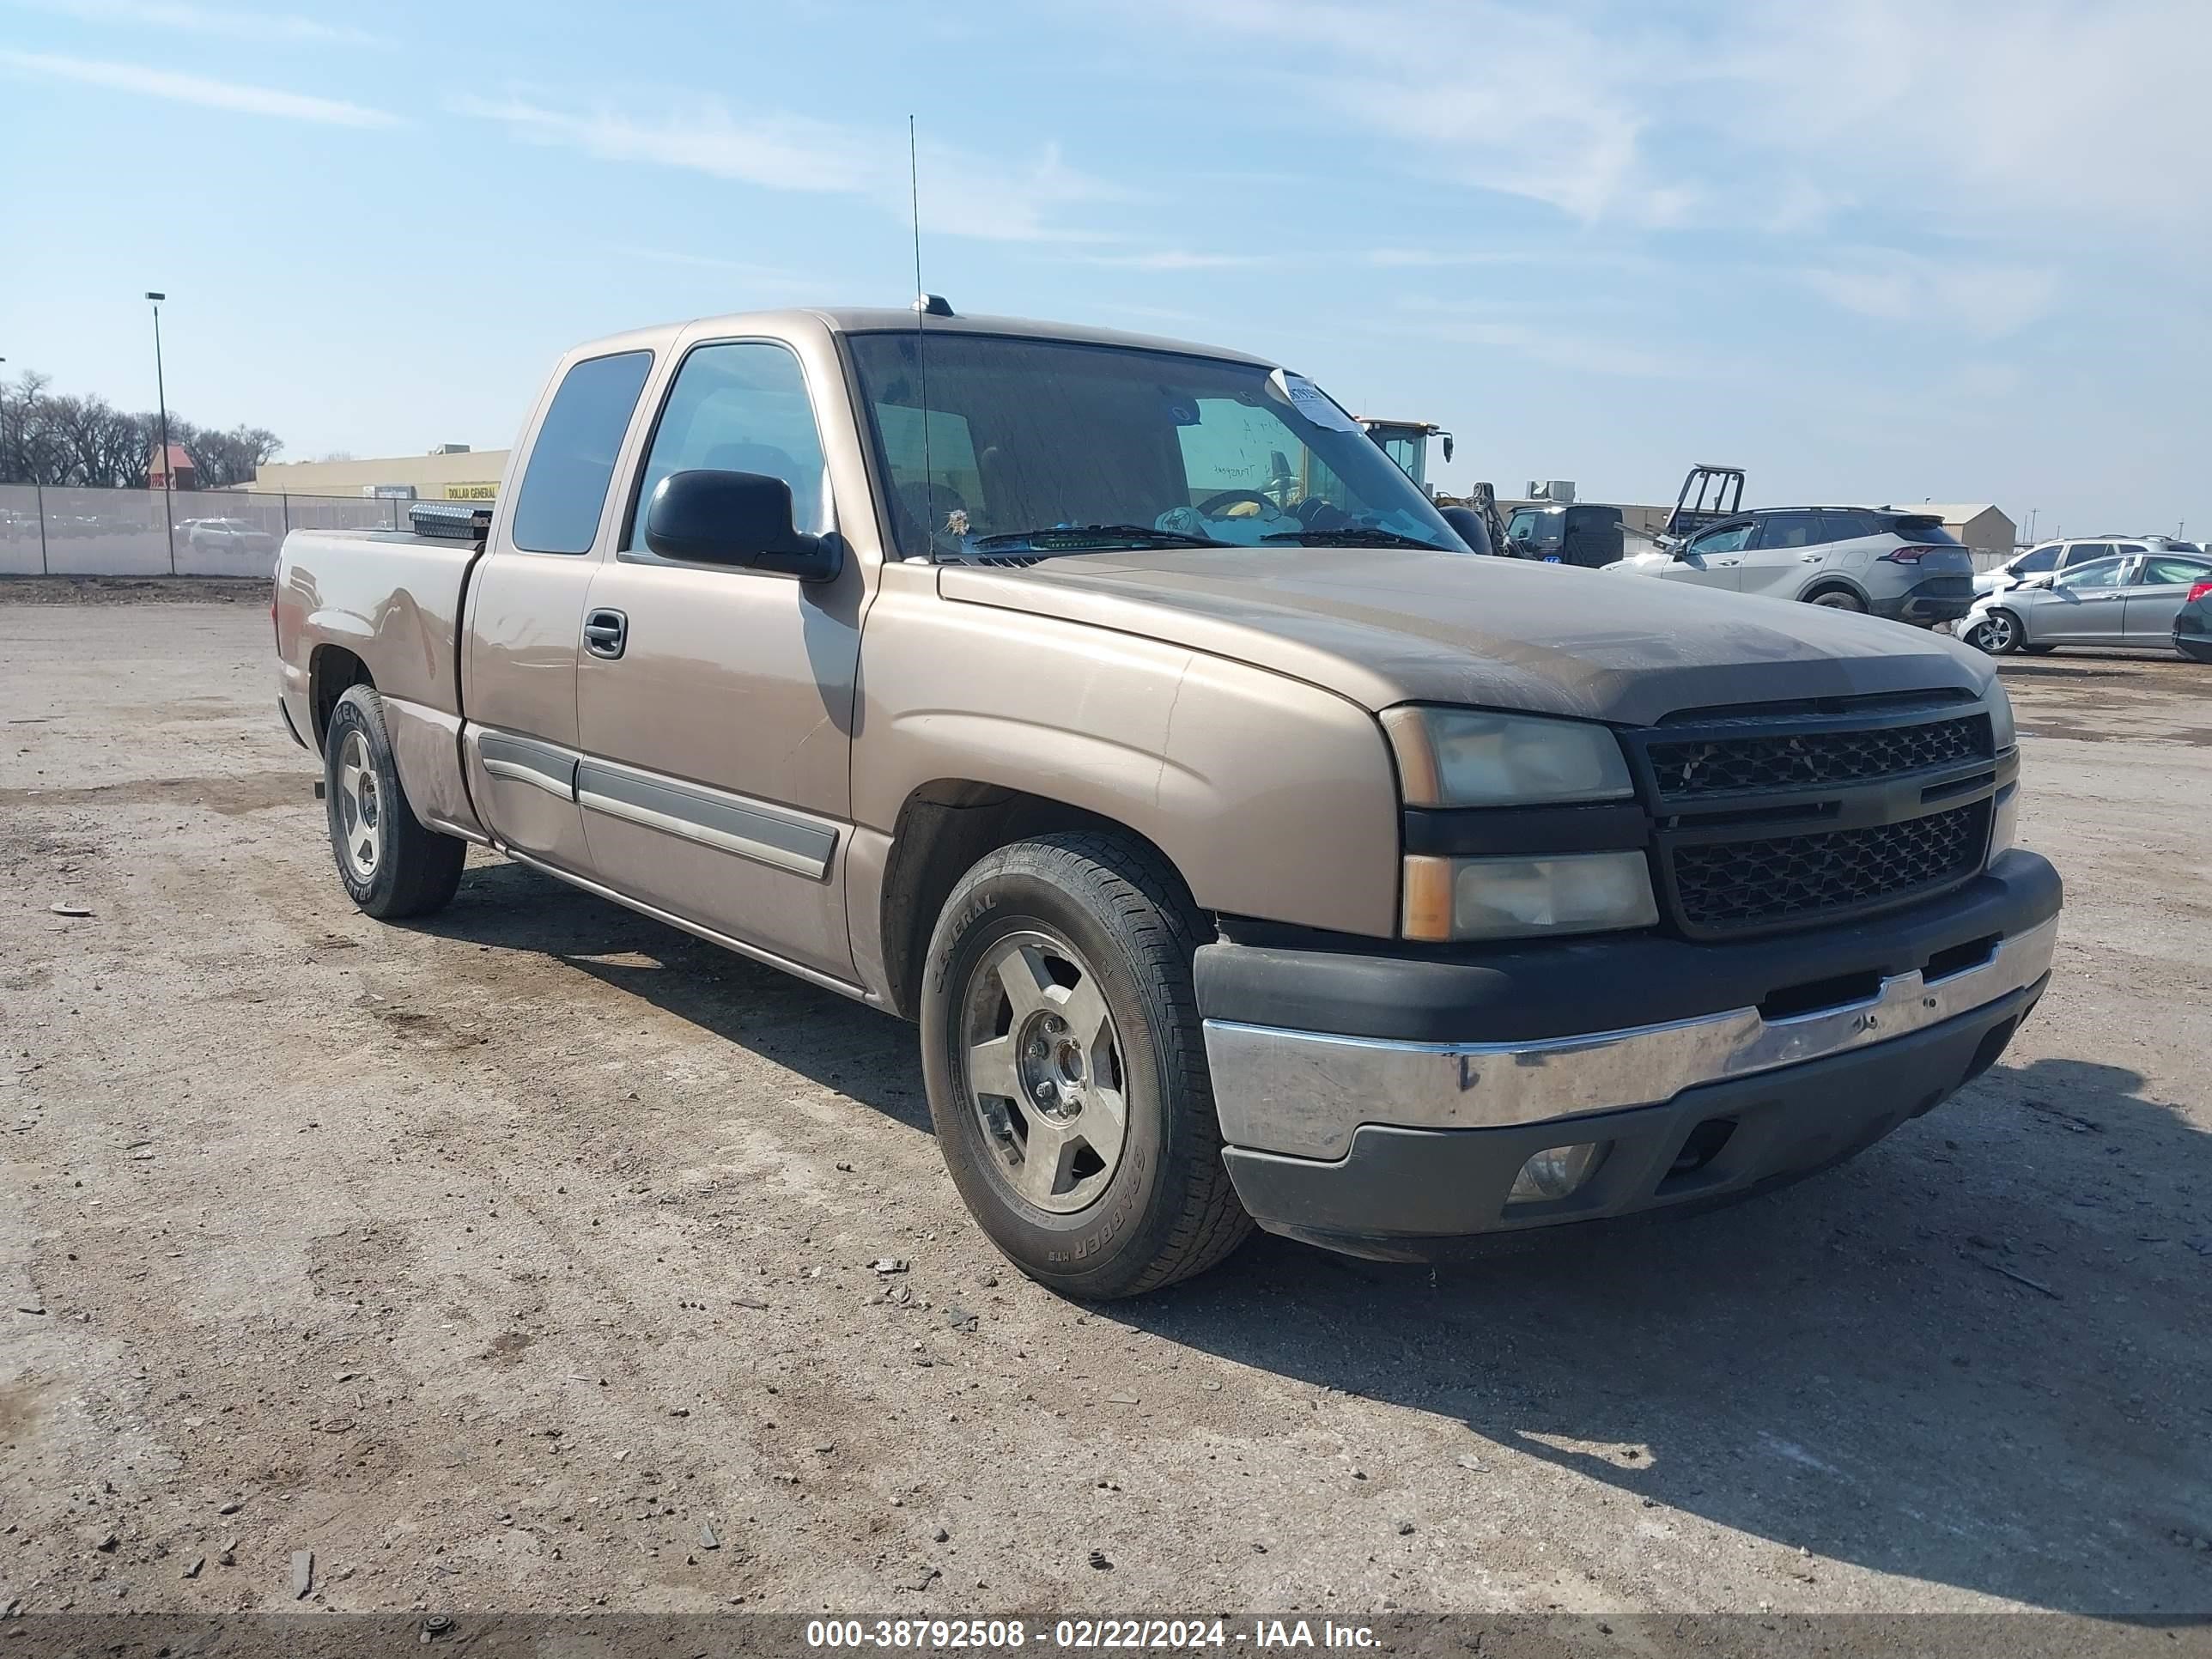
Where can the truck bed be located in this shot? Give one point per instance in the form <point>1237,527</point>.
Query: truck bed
<point>389,599</point>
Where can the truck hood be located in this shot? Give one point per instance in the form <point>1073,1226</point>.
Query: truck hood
<point>1383,626</point>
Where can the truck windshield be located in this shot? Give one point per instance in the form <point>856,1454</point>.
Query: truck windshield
<point>1051,447</point>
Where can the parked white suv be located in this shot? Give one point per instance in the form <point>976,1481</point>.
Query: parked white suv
<point>1905,566</point>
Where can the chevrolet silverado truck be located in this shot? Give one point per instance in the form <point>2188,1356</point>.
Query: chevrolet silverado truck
<point>1246,849</point>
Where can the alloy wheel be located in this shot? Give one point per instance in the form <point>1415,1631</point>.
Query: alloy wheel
<point>1042,1070</point>
<point>361,811</point>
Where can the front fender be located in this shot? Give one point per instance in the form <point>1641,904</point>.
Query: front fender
<point>1274,798</point>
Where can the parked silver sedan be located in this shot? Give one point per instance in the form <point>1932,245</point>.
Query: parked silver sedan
<point>2131,600</point>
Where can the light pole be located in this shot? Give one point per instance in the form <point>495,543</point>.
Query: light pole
<point>161,394</point>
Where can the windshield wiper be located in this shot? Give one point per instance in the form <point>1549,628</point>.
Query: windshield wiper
<point>1069,537</point>
<point>1354,535</point>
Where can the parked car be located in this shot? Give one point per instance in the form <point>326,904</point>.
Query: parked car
<point>2048,558</point>
<point>1240,859</point>
<point>2192,623</point>
<point>1577,533</point>
<point>1905,566</point>
<point>2132,600</point>
<point>227,536</point>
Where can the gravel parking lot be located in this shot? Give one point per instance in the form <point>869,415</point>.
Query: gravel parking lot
<point>522,1259</point>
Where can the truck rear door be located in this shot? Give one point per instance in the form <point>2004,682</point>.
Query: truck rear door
<point>717,734</point>
<point>526,613</point>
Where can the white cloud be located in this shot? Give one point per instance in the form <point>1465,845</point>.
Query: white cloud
<point>2078,113</point>
<point>1519,99</point>
<point>1549,345</point>
<point>202,20</point>
<point>962,194</point>
<point>1983,302</point>
<point>1176,259</point>
<point>210,94</point>
<point>1740,115</point>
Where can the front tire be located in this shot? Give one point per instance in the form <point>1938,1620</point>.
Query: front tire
<point>391,867</point>
<point>1066,1068</point>
<point>1997,633</point>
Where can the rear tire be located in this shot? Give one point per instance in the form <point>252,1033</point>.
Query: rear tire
<point>1067,1068</point>
<point>1838,598</point>
<point>391,866</point>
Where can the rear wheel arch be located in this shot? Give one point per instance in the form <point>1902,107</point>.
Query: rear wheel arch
<point>1837,584</point>
<point>331,672</point>
<point>944,829</point>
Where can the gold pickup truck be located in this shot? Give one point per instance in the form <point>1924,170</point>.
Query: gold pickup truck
<point>1246,848</point>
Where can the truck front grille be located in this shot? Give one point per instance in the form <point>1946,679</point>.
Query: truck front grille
<point>1807,760</point>
<point>1725,886</point>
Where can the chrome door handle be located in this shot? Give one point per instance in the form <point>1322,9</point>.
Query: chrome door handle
<point>605,633</point>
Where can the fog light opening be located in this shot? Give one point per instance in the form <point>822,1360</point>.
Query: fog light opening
<point>1557,1172</point>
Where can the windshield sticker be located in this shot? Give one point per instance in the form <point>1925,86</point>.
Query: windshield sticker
<point>1310,401</point>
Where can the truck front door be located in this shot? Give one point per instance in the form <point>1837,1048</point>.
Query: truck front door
<point>716,729</point>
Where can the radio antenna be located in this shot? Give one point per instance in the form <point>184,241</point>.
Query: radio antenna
<point>921,346</point>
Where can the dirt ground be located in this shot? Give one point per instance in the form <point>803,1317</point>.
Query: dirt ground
<point>521,1259</point>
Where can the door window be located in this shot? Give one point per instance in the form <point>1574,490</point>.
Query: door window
<point>1536,528</point>
<point>740,406</point>
<point>573,457</point>
<point>1792,529</point>
<point>2105,573</point>
<point>2083,552</point>
<point>1723,539</point>
<point>1840,526</point>
<point>2158,572</point>
<point>2035,564</point>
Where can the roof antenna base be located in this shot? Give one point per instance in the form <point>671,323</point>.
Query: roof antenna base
<point>932,305</point>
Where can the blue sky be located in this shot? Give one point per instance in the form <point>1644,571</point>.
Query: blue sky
<point>1871,250</point>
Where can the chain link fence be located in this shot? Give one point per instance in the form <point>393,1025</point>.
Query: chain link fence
<point>128,532</point>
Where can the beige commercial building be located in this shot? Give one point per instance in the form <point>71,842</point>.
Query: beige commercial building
<point>1981,527</point>
<point>450,474</point>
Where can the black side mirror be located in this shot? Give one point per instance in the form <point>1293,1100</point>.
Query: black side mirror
<point>744,518</point>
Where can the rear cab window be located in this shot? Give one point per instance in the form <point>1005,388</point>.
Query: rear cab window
<point>572,459</point>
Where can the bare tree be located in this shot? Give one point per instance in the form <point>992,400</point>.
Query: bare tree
<point>223,458</point>
<point>87,440</point>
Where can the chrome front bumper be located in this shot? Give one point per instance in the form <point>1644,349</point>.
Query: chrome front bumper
<point>1304,1093</point>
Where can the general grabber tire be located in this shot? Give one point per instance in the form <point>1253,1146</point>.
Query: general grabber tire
<point>390,864</point>
<point>1067,1069</point>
